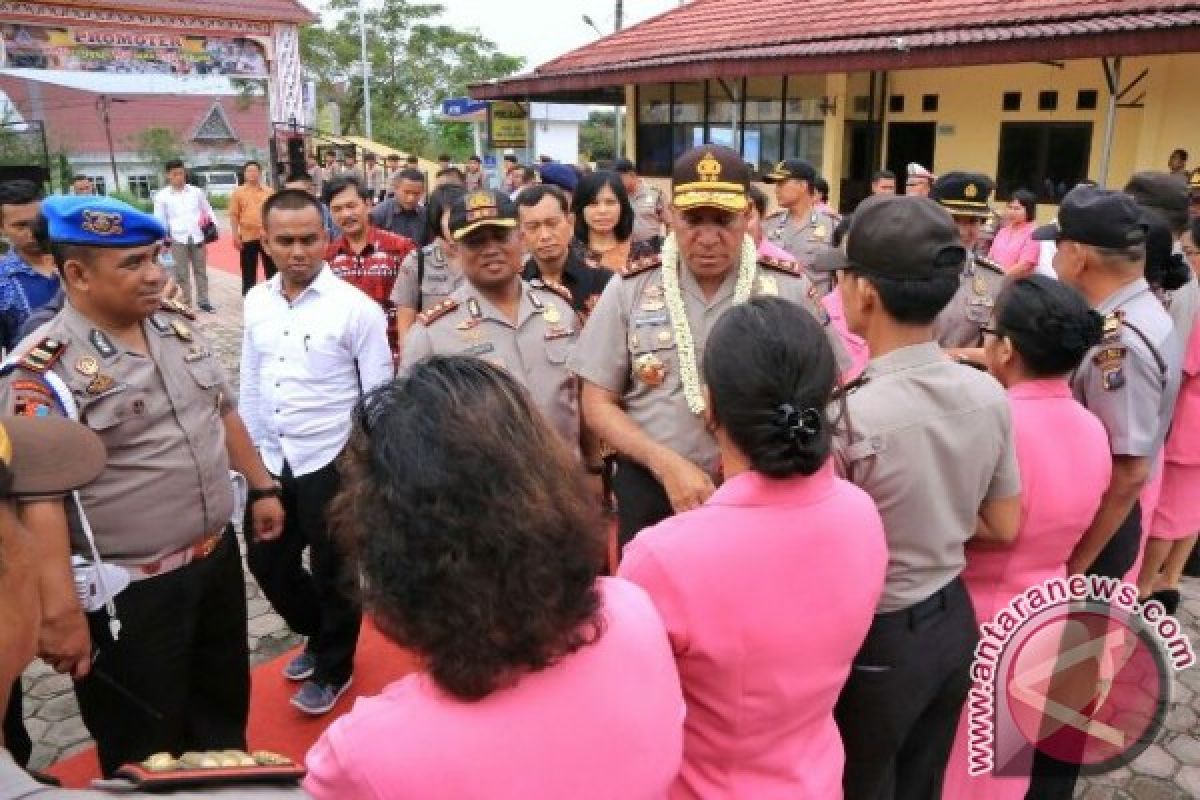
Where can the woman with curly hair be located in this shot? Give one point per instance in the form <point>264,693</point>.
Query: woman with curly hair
<point>752,584</point>
<point>479,551</point>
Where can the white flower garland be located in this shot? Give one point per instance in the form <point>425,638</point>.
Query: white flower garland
<point>689,372</point>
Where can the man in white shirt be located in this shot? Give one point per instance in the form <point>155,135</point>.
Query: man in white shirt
<point>181,207</point>
<point>312,345</point>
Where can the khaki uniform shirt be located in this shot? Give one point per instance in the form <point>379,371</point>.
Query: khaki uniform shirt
<point>648,210</point>
<point>1130,380</point>
<point>930,440</point>
<point>440,279</point>
<point>805,238</point>
<point>961,322</point>
<point>166,483</point>
<point>631,322</point>
<point>534,350</point>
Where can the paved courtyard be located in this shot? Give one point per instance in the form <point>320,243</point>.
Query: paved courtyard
<point>1167,770</point>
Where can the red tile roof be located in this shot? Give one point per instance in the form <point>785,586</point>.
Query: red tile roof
<point>731,37</point>
<point>268,10</point>
<point>73,124</point>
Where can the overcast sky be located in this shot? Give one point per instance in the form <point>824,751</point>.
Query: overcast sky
<point>538,30</point>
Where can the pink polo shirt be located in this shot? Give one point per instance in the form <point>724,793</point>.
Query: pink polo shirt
<point>1065,464</point>
<point>1015,245</point>
<point>605,722</point>
<point>764,624</point>
<point>856,346</point>
<point>1183,444</point>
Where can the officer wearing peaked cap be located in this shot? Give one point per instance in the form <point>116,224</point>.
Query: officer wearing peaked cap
<point>798,226</point>
<point>640,353</point>
<point>527,328</point>
<point>961,323</point>
<point>131,368</point>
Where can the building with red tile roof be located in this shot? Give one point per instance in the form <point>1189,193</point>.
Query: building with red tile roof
<point>1040,93</point>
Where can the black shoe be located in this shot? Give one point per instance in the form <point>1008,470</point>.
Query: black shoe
<point>206,307</point>
<point>1169,599</point>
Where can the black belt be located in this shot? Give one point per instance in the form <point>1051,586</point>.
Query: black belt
<point>930,607</point>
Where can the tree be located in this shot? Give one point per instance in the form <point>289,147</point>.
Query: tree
<point>414,65</point>
<point>598,136</point>
<point>159,145</point>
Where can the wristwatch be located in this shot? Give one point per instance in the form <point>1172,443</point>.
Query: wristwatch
<point>254,495</point>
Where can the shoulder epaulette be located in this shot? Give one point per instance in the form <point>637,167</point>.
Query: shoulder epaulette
<point>43,355</point>
<point>781,265</point>
<point>639,265</point>
<point>167,304</point>
<point>777,212</point>
<point>437,312</point>
<point>552,286</point>
<point>984,261</point>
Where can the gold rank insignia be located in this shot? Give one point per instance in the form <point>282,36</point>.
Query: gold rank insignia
<point>663,337</point>
<point>650,369</point>
<point>467,324</point>
<point>979,285</point>
<point>819,232</point>
<point>181,330</point>
<point>551,315</point>
<point>87,366</point>
<point>767,285</point>
<point>971,190</point>
<point>100,384</point>
<point>653,292</point>
<point>709,168</point>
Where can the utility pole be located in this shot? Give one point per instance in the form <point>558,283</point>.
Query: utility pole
<point>366,68</point>
<point>618,23</point>
<point>102,107</point>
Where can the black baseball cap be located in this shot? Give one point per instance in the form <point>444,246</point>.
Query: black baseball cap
<point>623,166</point>
<point>1096,217</point>
<point>481,208</point>
<point>899,236</point>
<point>792,169</point>
<point>47,455</point>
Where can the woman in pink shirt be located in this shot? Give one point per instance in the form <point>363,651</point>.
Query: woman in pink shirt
<point>1014,247</point>
<point>479,548</point>
<point>1041,332</point>
<point>753,584</point>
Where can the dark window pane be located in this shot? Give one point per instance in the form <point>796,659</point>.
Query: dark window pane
<point>929,103</point>
<point>1047,101</point>
<point>1086,100</point>
<point>896,104</point>
<point>1012,101</point>
<point>1049,158</point>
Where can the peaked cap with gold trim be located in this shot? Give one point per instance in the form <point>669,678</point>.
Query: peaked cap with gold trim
<point>710,176</point>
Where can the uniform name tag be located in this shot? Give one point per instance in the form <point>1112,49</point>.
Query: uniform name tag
<point>650,319</point>
<point>479,349</point>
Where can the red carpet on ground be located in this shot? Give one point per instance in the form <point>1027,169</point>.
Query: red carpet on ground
<point>274,724</point>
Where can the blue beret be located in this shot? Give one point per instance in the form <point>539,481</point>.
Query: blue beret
<point>564,176</point>
<point>97,221</point>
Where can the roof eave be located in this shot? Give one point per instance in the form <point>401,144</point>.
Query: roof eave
<point>1117,43</point>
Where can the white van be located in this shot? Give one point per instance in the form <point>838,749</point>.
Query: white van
<point>218,182</point>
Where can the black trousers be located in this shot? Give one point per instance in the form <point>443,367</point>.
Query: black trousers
<point>899,709</point>
<point>641,500</point>
<point>178,677</point>
<point>321,602</point>
<point>1053,779</point>
<point>16,738</point>
<point>250,254</point>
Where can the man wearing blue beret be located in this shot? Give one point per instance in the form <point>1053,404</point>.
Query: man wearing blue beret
<point>158,650</point>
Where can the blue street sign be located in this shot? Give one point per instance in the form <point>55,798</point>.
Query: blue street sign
<point>462,107</point>
<point>489,161</point>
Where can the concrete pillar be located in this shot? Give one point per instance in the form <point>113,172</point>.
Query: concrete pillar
<point>833,140</point>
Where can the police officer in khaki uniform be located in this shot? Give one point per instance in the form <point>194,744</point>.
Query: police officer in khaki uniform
<point>1129,381</point>
<point>798,226</point>
<point>137,374</point>
<point>431,274</point>
<point>640,353</point>
<point>961,323</point>
<point>931,441</point>
<point>527,328</point>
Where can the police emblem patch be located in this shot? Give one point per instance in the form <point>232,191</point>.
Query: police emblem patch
<point>103,223</point>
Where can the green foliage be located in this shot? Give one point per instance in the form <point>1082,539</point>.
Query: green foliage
<point>219,202</point>
<point>159,145</point>
<point>598,136</point>
<point>126,196</point>
<point>414,66</point>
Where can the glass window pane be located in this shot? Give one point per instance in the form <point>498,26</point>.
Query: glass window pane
<point>760,146</point>
<point>654,104</point>
<point>804,94</point>
<point>804,140</point>
<point>689,102</point>
<point>764,99</point>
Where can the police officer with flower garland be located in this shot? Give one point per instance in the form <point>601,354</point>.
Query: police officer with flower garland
<point>164,667</point>
<point>639,355</point>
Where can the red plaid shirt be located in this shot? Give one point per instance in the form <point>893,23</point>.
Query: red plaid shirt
<point>374,270</point>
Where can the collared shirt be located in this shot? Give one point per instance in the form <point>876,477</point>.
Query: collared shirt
<point>409,223</point>
<point>631,325</point>
<point>534,349</point>
<point>649,209</point>
<point>427,277</point>
<point>930,440</point>
<point>23,290</point>
<point>374,270</point>
<point>166,481</point>
<point>961,322</point>
<point>585,283</point>
<point>748,585</point>
<point>805,237</point>
<point>305,363</point>
<point>245,210</point>
<point>180,211</point>
<point>1133,390</point>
